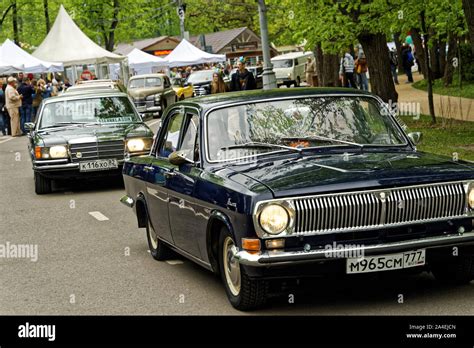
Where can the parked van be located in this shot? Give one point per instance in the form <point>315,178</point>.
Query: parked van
<point>289,68</point>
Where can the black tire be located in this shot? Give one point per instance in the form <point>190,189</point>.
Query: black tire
<point>298,82</point>
<point>42,185</point>
<point>456,270</point>
<point>253,292</point>
<point>159,251</point>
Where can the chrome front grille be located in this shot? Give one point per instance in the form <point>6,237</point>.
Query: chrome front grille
<point>362,210</point>
<point>102,150</point>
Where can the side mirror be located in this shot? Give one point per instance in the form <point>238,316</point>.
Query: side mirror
<point>30,126</point>
<point>415,137</point>
<point>178,158</point>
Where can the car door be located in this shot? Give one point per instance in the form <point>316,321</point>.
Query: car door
<point>158,170</point>
<point>185,221</point>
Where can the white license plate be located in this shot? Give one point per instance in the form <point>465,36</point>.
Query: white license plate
<point>386,262</point>
<point>92,166</point>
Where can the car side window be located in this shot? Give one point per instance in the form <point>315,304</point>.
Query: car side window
<point>170,140</point>
<point>190,143</point>
<point>167,82</point>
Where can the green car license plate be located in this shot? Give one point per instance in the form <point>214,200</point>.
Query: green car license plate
<point>92,166</point>
<point>386,262</point>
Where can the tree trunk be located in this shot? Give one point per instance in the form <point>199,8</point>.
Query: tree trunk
<point>46,16</point>
<point>434,56</point>
<point>449,67</point>
<point>442,56</point>
<point>330,70</point>
<point>318,57</point>
<point>427,67</point>
<point>398,45</point>
<point>468,7</point>
<point>378,61</point>
<point>420,54</point>
<point>110,38</point>
<point>16,34</point>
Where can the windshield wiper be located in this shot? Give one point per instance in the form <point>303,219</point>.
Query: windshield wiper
<point>317,137</point>
<point>255,144</point>
<point>64,124</point>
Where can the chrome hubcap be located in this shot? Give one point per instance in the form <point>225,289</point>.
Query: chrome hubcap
<point>153,237</point>
<point>231,266</point>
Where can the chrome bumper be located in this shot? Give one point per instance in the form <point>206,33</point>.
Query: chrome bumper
<point>276,258</point>
<point>128,201</point>
<point>58,165</point>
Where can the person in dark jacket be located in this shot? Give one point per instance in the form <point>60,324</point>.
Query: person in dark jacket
<point>242,80</point>
<point>4,118</point>
<point>26,110</point>
<point>407,61</point>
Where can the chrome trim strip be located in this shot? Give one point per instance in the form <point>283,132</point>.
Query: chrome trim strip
<point>277,258</point>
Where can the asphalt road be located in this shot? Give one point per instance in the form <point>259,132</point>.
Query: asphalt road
<point>87,266</point>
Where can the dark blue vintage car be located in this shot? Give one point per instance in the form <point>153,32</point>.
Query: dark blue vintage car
<point>299,182</point>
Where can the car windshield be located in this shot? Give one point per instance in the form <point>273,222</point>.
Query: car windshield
<point>255,129</point>
<point>201,76</point>
<point>145,82</point>
<point>282,63</point>
<point>102,110</point>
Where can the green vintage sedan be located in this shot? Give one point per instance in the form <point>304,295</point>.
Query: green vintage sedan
<point>82,135</point>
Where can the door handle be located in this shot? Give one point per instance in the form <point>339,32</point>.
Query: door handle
<point>148,168</point>
<point>169,174</point>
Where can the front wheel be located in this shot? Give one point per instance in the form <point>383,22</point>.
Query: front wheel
<point>457,270</point>
<point>243,292</point>
<point>42,185</point>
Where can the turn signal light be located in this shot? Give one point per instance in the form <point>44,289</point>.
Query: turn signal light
<point>251,245</point>
<point>38,153</point>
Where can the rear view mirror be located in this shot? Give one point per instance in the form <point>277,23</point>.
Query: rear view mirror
<point>178,158</point>
<point>30,126</point>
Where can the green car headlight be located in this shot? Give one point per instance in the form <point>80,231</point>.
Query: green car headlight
<point>58,152</point>
<point>139,145</point>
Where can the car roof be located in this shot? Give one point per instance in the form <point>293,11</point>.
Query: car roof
<point>146,75</point>
<point>292,55</point>
<point>223,99</point>
<point>85,94</point>
<point>91,82</point>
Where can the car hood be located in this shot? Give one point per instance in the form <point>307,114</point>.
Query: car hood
<point>91,133</point>
<point>332,173</point>
<point>144,92</point>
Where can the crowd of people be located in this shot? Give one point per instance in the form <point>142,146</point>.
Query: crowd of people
<point>20,98</point>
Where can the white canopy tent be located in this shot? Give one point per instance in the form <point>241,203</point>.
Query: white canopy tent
<point>8,68</point>
<point>66,43</point>
<point>144,63</point>
<point>11,53</point>
<point>188,54</point>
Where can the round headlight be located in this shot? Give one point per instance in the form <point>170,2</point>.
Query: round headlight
<point>58,152</point>
<point>470,198</point>
<point>135,145</point>
<point>274,219</point>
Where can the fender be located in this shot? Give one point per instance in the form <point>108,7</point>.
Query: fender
<point>215,216</point>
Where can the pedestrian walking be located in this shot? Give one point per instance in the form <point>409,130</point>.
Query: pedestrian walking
<point>310,71</point>
<point>394,64</point>
<point>218,85</point>
<point>361,70</point>
<point>86,75</point>
<point>26,110</point>
<point>242,79</point>
<point>407,61</point>
<point>13,104</point>
<point>39,87</point>
<point>346,70</point>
